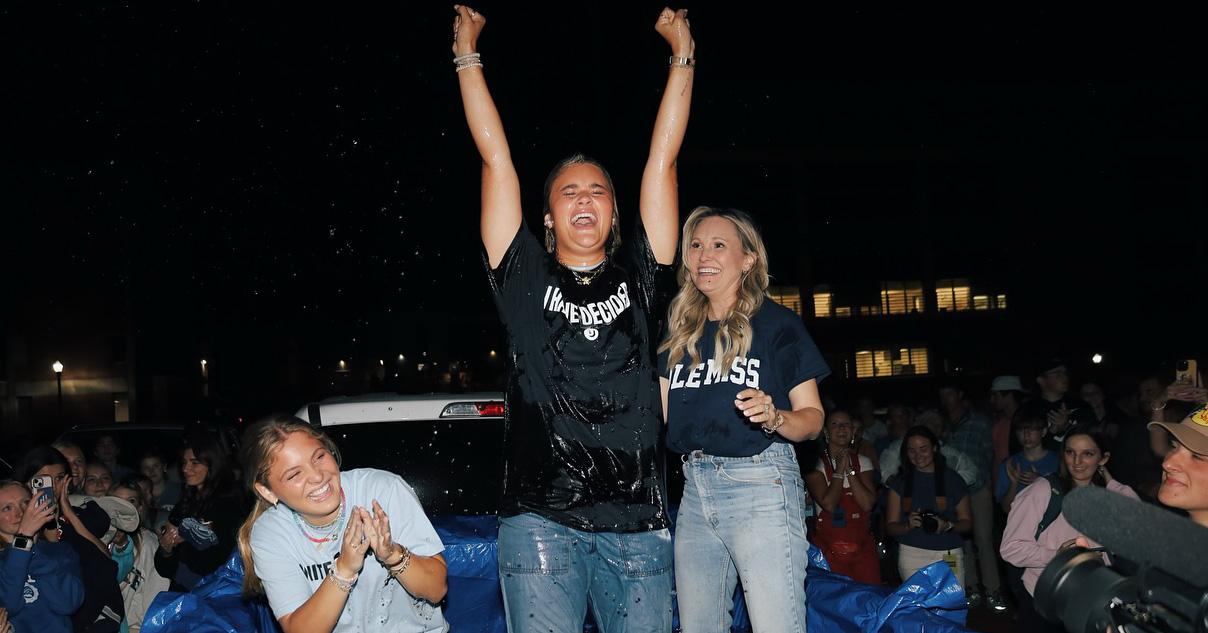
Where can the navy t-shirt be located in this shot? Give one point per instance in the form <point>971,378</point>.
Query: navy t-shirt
<point>922,497</point>
<point>700,403</point>
<point>584,421</point>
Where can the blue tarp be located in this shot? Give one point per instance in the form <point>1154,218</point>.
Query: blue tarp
<point>215,605</point>
<point>931,600</point>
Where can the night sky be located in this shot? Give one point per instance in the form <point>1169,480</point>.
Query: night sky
<point>248,174</point>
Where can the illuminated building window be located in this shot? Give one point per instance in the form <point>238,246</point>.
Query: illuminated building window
<point>870,310</point>
<point>884,363</point>
<point>952,295</point>
<point>901,297</point>
<point>981,302</point>
<point>842,312</point>
<point>1001,302</point>
<point>789,297</point>
<point>822,302</point>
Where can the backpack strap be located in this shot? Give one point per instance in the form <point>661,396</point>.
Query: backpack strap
<point>1053,510</point>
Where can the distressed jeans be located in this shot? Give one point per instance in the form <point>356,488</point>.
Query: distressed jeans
<point>742,518</point>
<point>551,574</point>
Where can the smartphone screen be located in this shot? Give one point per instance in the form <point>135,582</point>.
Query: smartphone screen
<point>1187,372</point>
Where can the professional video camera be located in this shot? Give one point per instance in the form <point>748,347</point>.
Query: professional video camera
<point>1158,581</point>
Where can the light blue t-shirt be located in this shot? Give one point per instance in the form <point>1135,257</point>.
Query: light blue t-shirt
<point>1046,465</point>
<point>292,568</point>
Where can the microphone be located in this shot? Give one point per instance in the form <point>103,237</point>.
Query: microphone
<point>1140,532</point>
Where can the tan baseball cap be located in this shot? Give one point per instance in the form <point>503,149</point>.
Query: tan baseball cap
<point>1192,432</point>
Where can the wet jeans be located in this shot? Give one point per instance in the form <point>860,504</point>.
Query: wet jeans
<point>742,518</point>
<point>551,574</point>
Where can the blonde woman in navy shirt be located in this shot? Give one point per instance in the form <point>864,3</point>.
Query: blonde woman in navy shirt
<point>739,383</point>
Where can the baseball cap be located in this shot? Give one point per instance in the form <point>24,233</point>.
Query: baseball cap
<point>111,514</point>
<point>1006,383</point>
<point>1049,364</point>
<point>1192,432</point>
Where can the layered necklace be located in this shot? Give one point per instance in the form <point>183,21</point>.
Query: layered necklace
<point>327,533</point>
<point>584,275</point>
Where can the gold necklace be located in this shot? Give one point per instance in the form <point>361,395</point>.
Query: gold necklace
<point>585,278</point>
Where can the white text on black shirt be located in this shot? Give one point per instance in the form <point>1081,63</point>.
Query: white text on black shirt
<point>743,371</point>
<point>597,313</point>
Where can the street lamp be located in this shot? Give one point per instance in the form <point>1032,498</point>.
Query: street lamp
<point>58,369</point>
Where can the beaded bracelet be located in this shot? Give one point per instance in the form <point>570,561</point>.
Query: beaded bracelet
<point>469,60</point>
<point>342,583</point>
<point>402,565</point>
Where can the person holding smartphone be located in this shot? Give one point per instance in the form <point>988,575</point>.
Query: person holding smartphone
<point>102,609</point>
<point>40,578</point>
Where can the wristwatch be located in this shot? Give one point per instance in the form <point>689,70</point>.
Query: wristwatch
<point>21,541</point>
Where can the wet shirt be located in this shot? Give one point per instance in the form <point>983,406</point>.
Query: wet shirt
<point>700,402</point>
<point>583,425</point>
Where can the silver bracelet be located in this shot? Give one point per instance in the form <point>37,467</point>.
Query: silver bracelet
<point>342,583</point>
<point>683,62</point>
<point>470,60</point>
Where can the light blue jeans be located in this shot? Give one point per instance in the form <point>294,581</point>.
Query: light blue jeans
<point>551,573</point>
<point>742,518</point>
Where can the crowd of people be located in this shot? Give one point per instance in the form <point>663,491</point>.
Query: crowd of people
<point>89,542</point>
<point>611,371</point>
<point>915,493</point>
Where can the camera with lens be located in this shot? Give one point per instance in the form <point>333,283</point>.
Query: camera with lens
<point>931,521</point>
<point>1156,581</point>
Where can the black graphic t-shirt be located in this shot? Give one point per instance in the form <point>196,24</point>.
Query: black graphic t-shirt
<point>700,403</point>
<point>583,427</point>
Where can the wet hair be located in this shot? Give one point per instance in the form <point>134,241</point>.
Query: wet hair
<point>906,469</point>
<point>259,448</point>
<point>1064,479</point>
<point>36,459</point>
<point>614,235</point>
<point>689,311</point>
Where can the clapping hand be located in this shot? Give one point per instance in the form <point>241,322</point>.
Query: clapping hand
<point>1059,419</point>
<point>377,530</point>
<point>353,546</point>
<point>169,538</point>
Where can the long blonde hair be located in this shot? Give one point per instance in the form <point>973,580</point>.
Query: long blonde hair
<point>690,308</point>
<point>260,444</point>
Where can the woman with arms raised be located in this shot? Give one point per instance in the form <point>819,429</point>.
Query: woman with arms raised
<point>582,475</point>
